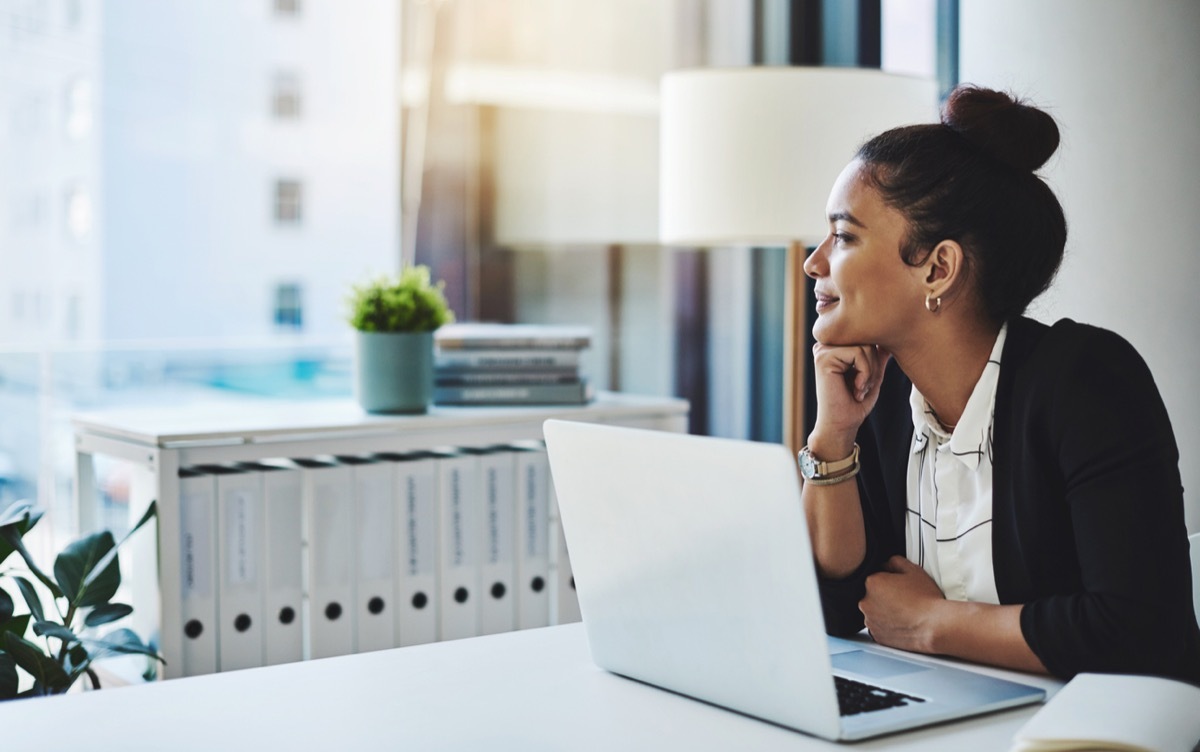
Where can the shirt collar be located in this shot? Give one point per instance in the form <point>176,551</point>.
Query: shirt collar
<point>972,435</point>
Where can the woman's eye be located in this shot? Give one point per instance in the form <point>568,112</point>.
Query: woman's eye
<point>842,237</point>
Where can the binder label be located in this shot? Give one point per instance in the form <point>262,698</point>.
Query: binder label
<point>332,524</point>
<point>196,544</point>
<point>241,527</point>
<point>461,555</point>
<point>537,536</point>
<point>499,516</point>
<point>285,531</point>
<point>420,529</point>
<point>375,528</point>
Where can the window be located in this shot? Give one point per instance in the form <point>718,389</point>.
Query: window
<point>41,308</point>
<point>29,20</point>
<point>72,13</point>
<point>74,317</point>
<point>287,7</point>
<point>289,202</point>
<point>909,37</point>
<point>30,116</point>
<point>289,306</point>
<point>77,209</point>
<point>78,109</point>
<point>285,97</point>
<point>28,212</point>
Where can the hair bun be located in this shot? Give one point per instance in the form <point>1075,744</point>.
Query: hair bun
<point>1013,132</point>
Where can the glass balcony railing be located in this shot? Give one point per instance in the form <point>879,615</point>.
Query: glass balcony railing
<point>40,391</point>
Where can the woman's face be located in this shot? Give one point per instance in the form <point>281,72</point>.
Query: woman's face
<point>866,294</point>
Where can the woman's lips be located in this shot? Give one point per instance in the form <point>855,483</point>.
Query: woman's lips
<point>825,301</point>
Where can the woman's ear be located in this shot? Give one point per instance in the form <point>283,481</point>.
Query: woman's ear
<point>944,269</point>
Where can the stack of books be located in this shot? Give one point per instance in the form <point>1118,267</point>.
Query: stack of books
<point>510,364</point>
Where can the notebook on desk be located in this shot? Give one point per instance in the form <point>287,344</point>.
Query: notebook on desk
<point>694,573</point>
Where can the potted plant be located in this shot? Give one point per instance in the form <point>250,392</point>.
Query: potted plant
<point>66,640</point>
<point>395,319</point>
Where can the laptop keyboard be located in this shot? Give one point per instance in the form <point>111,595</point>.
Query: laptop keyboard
<point>856,697</point>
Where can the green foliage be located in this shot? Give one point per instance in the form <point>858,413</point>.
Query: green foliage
<point>409,303</point>
<point>87,575</point>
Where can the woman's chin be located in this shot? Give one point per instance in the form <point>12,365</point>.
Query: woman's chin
<point>832,336</point>
<point>824,332</point>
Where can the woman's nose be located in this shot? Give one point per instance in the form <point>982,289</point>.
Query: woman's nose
<point>814,265</point>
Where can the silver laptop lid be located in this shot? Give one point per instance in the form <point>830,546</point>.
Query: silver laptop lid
<point>694,568</point>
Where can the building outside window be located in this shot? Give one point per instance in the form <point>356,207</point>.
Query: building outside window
<point>285,97</point>
<point>289,202</point>
<point>74,317</point>
<point>78,108</point>
<point>287,7</point>
<point>28,212</point>
<point>289,306</point>
<point>164,217</point>
<point>72,13</point>
<point>77,211</point>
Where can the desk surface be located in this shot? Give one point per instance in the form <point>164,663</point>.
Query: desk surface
<point>532,691</point>
<point>246,420</point>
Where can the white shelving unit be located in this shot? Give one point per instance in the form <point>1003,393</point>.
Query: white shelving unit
<point>161,441</point>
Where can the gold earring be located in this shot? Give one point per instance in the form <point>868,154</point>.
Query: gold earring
<point>935,305</point>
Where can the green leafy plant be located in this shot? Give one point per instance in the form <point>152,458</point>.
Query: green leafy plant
<point>408,303</point>
<point>87,574</point>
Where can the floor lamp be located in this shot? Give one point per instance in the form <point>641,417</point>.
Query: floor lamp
<point>748,155</point>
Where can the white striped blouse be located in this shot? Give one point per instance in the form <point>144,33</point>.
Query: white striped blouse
<point>949,530</point>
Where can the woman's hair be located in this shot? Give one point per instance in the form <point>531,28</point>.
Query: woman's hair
<point>971,179</point>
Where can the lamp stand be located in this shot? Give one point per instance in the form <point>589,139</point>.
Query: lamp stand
<point>794,357</point>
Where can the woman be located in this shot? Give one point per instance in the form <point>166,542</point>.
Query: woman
<point>1016,497</point>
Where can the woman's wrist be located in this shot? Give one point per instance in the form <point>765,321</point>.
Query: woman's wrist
<point>944,618</point>
<point>830,448</point>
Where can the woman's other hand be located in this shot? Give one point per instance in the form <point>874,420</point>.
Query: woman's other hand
<point>901,606</point>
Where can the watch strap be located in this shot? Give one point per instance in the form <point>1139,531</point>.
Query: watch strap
<point>825,469</point>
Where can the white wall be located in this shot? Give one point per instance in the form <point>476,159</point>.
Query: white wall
<point>1121,79</point>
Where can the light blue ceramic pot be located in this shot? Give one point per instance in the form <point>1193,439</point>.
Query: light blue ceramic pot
<point>394,371</point>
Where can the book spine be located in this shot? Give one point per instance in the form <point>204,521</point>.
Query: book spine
<point>458,377</point>
<point>536,394</point>
<point>514,343</point>
<point>508,359</point>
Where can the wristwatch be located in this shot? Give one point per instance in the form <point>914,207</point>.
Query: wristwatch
<point>812,468</point>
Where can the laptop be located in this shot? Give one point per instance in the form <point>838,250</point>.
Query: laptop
<point>694,573</point>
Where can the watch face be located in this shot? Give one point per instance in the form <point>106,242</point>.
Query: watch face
<point>808,464</point>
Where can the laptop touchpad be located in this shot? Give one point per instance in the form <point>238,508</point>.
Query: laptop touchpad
<point>873,665</point>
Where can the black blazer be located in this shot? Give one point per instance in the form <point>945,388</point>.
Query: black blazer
<point>1088,524</point>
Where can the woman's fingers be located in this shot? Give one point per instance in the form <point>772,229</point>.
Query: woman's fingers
<point>848,380</point>
<point>859,366</point>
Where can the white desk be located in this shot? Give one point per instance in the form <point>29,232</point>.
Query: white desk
<point>530,691</point>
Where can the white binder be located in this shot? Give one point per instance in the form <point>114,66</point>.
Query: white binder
<point>532,535</point>
<point>283,611</point>
<point>375,524</point>
<point>415,476</point>
<point>498,566</point>
<point>241,547</point>
<point>564,603</point>
<point>329,574</point>
<point>459,538</point>
<point>198,566</point>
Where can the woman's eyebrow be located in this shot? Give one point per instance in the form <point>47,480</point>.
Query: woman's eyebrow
<point>846,217</point>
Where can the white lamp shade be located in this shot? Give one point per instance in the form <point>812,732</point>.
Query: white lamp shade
<point>748,155</point>
<point>572,179</point>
